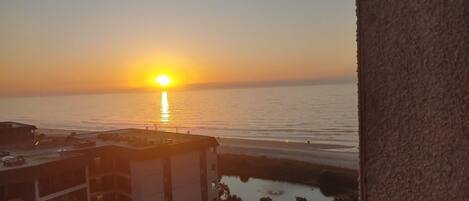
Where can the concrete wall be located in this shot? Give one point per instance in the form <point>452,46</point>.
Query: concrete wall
<point>147,180</point>
<point>185,174</point>
<point>147,177</point>
<point>413,66</point>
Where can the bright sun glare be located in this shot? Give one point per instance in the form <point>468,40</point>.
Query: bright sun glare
<point>163,80</point>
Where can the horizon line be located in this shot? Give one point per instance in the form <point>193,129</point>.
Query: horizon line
<point>196,87</point>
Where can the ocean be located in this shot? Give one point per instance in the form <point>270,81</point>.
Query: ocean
<point>316,113</point>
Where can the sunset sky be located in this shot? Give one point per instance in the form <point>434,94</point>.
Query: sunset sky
<point>64,46</point>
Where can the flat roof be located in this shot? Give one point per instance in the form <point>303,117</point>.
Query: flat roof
<point>141,139</point>
<point>132,143</point>
<point>38,161</point>
<point>11,124</point>
<point>38,157</point>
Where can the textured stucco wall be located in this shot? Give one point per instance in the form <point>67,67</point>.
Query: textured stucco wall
<point>413,66</point>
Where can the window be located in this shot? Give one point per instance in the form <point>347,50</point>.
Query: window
<point>62,181</point>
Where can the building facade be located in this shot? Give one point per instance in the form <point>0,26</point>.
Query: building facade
<point>413,67</point>
<point>121,165</point>
<point>16,133</point>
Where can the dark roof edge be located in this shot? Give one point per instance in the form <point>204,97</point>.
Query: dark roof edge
<point>19,124</point>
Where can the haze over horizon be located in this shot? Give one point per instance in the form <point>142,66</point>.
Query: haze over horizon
<point>68,47</point>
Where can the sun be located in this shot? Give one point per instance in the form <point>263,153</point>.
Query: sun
<point>163,80</point>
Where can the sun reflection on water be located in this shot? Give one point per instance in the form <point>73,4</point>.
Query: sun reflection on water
<point>164,107</point>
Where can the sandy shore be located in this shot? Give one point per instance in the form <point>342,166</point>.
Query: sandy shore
<point>320,154</point>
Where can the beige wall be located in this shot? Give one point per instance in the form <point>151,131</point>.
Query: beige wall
<point>147,177</point>
<point>147,180</point>
<point>185,175</point>
<point>413,66</point>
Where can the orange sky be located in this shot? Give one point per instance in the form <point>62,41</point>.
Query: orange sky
<point>87,46</point>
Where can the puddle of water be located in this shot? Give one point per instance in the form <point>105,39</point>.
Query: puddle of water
<point>254,189</point>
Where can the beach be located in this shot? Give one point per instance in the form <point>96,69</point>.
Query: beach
<point>319,154</point>
<point>338,156</point>
<point>330,168</point>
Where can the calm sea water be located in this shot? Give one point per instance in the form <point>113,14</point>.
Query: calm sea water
<point>319,113</point>
<point>254,189</point>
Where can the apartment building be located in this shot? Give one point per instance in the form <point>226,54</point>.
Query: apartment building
<point>119,165</point>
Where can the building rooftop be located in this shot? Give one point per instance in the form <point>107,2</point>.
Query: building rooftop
<point>133,143</point>
<point>35,157</point>
<point>10,124</point>
<point>140,139</point>
<point>23,163</point>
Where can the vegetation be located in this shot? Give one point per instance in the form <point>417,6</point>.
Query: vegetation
<point>350,196</point>
<point>284,170</point>
<point>244,178</point>
<point>224,193</point>
<point>301,199</point>
<point>233,198</point>
<point>332,184</point>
